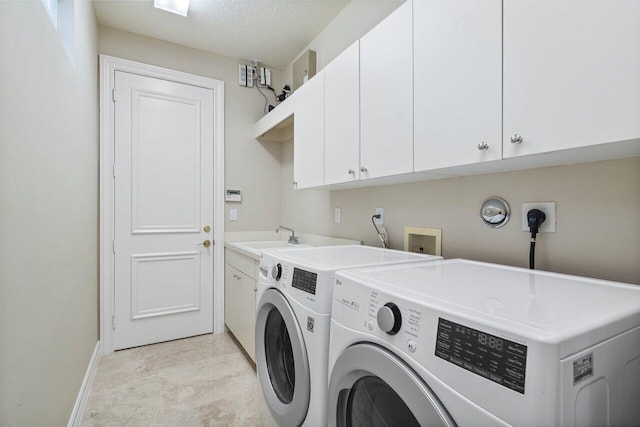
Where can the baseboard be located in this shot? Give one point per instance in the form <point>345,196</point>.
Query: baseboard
<point>81,401</point>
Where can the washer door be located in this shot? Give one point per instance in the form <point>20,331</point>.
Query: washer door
<point>281,360</point>
<point>371,387</point>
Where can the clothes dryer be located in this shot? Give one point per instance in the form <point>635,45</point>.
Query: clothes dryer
<point>463,343</point>
<point>294,295</point>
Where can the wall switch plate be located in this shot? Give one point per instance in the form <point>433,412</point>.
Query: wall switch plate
<point>233,214</point>
<point>379,221</point>
<point>337,215</point>
<point>549,209</point>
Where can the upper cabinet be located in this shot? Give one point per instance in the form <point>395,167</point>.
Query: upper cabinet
<point>462,87</point>
<point>571,74</point>
<point>308,134</point>
<point>342,117</point>
<point>386,96</point>
<point>457,69</point>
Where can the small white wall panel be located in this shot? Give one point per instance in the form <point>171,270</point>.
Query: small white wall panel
<point>386,96</point>
<point>457,82</point>
<point>571,73</point>
<point>342,117</point>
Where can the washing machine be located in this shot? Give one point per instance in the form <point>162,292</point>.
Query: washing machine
<point>463,343</point>
<point>292,326</point>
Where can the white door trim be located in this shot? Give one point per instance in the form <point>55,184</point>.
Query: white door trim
<point>108,66</point>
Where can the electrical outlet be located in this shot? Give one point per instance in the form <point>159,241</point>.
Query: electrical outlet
<point>379,221</point>
<point>337,215</point>
<point>265,76</point>
<point>242,75</point>
<point>233,214</point>
<point>250,71</point>
<point>549,209</point>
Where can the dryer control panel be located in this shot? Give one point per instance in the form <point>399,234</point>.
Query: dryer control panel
<point>497,359</point>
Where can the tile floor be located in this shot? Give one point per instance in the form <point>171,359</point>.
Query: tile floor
<point>199,381</point>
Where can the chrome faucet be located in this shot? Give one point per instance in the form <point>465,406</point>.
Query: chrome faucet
<point>292,239</point>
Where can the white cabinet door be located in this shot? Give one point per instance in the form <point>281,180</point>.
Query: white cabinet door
<point>457,82</point>
<point>246,311</point>
<point>231,300</point>
<point>308,134</point>
<point>386,96</point>
<point>342,117</point>
<point>571,73</point>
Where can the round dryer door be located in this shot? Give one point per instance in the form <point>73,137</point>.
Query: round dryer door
<point>371,387</point>
<point>281,360</point>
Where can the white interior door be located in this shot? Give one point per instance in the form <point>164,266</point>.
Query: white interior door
<point>163,210</point>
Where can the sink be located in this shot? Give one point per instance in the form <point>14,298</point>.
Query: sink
<point>269,244</point>
<point>256,247</point>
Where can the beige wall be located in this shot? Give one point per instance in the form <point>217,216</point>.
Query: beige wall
<point>250,166</point>
<point>48,213</point>
<point>598,217</point>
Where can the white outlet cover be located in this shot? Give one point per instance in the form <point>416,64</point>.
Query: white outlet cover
<point>337,215</point>
<point>233,214</point>
<point>549,209</point>
<point>379,221</point>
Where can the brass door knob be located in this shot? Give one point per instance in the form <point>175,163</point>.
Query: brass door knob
<point>206,228</point>
<point>206,243</point>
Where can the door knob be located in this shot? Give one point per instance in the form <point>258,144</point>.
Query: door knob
<point>206,228</point>
<point>363,169</point>
<point>516,139</point>
<point>206,243</point>
<point>352,172</point>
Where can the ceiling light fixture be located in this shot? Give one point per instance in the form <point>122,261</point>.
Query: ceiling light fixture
<point>179,7</point>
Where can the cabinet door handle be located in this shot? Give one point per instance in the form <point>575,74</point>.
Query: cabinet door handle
<point>516,139</point>
<point>363,169</point>
<point>352,172</point>
<point>483,146</point>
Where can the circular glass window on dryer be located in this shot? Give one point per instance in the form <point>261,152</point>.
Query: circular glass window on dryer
<point>281,360</point>
<point>373,403</point>
<point>279,356</point>
<point>371,386</point>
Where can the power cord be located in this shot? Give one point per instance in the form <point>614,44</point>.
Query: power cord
<point>535,218</point>
<point>380,235</point>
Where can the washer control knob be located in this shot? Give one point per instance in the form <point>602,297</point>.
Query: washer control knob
<point>389,318</point>
<point>370,325</point>
<point>276,271</point>
<point>411,345</point>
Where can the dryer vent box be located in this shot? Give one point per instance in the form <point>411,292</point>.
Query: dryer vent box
<point>423,240</point>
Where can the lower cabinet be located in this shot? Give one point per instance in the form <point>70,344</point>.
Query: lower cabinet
<point>240,299</point>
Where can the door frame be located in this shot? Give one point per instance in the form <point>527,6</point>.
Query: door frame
<point>108,66</point>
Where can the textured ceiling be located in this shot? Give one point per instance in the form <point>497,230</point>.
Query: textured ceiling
<point>274,31</point>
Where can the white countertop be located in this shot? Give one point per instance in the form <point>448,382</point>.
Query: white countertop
<point>251,243</point>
